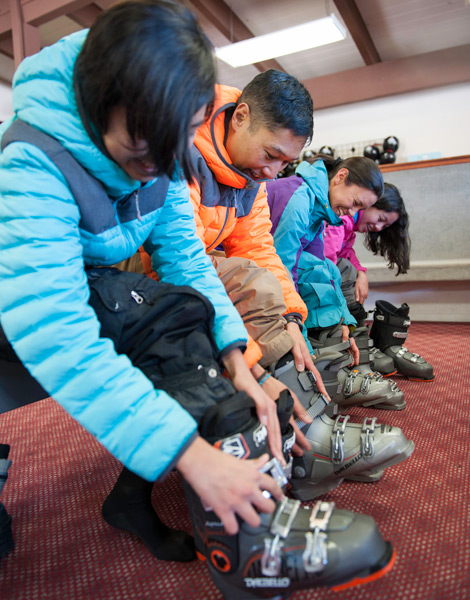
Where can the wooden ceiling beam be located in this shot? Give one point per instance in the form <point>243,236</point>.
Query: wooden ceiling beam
<point>25,37</point>
<point>37,12</point>
<point>357,28</point>
<point>423,71</point>
<point>230,25</point>
<point>86,16</point>
<point>6,47</point>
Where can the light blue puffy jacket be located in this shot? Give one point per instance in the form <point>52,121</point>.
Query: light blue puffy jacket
<point>299,207</point>
<point>44,293</point>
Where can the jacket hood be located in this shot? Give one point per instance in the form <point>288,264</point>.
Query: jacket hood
<point>209,141</point>
<point>43,96</point>
<point>316,177</point>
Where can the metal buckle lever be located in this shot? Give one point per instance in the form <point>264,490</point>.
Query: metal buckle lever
<point>280,528</point>
<point>367,436</point>
<point>337,439</point>
<point>315,555</point>
<point>274,468</point>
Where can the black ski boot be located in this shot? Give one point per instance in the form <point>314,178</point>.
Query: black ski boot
<point>389,331</point>
<point>295,547</point>
<point>6,535</point>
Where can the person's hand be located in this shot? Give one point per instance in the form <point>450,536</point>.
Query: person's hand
<point>353,349</point>
<point>300,351</point>
<point>227,485</point>
<point>243,380</point>
<point>273,387</point>
<point>302,357</point>
<point>361,289</point>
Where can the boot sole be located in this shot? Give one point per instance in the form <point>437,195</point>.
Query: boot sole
<point>420,378</point>
<point>384,566</point>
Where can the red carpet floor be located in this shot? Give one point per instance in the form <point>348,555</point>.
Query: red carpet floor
<point>60,476</point>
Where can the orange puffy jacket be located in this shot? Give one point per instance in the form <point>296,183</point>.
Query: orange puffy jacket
<point>231,209</point>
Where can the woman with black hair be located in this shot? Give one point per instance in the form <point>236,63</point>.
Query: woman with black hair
<point>93,165</point>
<point>385,227</point>
<point>319,194</point>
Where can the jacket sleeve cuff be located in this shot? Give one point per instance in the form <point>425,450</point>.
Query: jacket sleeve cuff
<point>183,449</point>
<point>241,345</point>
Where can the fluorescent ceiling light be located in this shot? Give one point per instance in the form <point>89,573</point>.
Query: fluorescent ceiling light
<point>286,41</point>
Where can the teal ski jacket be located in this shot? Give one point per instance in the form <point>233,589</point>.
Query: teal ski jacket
<point>46,240</point>
<point>299,207</point>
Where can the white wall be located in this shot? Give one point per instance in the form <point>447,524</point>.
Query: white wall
<point>6,110</point>
<point>435,122</point>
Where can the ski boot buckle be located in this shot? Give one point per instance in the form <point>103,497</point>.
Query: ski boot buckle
<point>315,555</point>
<point>280,528</point>
<point>337,439</point>
<point>367,436</point>
<point>274,468</point>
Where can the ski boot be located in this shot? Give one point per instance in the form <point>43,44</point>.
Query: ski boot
<point>343,450</point>
<point>389,331</point>
<point>6,535</point>
<point>371,356</point>
<point>295,547</point>
<point>339,449</point>
<point>359,385</point>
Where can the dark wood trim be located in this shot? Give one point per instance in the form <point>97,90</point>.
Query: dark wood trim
<point>230,25</point>
<point>357,28</point>
<point>423,71</point>
<point>424,164</point>
<point>86,16</point>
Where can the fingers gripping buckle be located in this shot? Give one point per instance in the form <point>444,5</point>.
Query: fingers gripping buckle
<point>274,468</point>
<point>367,436</point>
<point>280,528</point>
<point>337,439</point>
<point>315,555</point>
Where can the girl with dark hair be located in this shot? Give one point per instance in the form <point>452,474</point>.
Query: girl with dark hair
<point>92,168</point>
<point>326,190</point>
<point>320,193</point>
<point>385,227</point>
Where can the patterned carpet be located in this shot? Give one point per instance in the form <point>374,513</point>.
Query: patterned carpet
<point>60,476</point>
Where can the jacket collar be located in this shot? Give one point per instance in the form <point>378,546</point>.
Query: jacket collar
<point>210,138</point>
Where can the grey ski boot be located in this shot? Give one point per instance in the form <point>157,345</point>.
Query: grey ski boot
<point>294,548</point>
<point>339,449</point>
<point>6,535</point>
<point>359,385</point>
<point>389,331</point>
<point>370,356</point>
<point>343,450</point>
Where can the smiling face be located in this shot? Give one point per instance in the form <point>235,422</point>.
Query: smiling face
<point>255,150</point>
<point>348,199</point>
<point>133,156</point>
<point>375,219</point>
